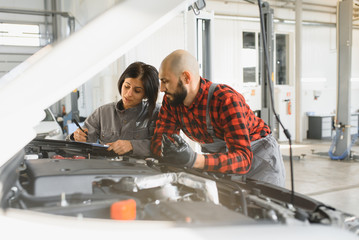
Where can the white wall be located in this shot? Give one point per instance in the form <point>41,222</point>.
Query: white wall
<point>319,64</point>
<point>227,47</point>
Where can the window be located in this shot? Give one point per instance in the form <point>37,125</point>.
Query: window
<point>249,56</point>
<point>249,74</point>
<point>281,59</point>
<point>249,40</point>
<point>19,34</point>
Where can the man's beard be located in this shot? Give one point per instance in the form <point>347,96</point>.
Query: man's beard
<point>179,95</point>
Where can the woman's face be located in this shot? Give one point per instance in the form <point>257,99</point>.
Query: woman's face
<point>132,92</point>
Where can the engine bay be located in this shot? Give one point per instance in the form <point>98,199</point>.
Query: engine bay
<point>71,179</point>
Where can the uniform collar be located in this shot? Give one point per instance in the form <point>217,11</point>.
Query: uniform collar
<point>203,85</point>
<point>137,108</point>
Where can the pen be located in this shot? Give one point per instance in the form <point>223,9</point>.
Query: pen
<point>77,124</point>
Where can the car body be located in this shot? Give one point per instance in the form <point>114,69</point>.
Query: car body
<point>49,128</point>
<point>57,189</point>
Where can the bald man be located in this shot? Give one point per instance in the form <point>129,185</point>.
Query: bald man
<point>232,138</point>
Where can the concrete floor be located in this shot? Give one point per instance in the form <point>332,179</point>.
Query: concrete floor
<point>335,183</point>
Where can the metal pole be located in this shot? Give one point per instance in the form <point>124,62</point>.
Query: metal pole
<point>298,71</point>
<point>266,111</point>
<point>55,30</point>
<point>344,36</point>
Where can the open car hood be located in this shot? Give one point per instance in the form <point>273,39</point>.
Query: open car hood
<point>58,69</point>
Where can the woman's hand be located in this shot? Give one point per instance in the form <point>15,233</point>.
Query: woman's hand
<point>120,146</point>
<point>80,136</point>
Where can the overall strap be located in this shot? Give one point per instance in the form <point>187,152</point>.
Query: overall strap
<point>208,118</point>
<point>218,145</point>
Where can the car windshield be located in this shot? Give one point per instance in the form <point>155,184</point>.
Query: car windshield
<point>48,116</point>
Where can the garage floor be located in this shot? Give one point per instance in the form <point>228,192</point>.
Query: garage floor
<point>335,183</point>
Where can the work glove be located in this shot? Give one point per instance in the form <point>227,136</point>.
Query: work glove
<point>178,153</point>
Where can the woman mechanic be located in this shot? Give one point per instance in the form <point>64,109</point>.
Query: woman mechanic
<point>126,126</point>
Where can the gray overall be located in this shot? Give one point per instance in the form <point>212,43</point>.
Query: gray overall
<point>267,162</point>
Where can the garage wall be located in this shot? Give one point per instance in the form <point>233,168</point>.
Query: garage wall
<point>319,65</point>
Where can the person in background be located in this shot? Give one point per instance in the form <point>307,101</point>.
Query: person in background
<point>127,125</point>
<point>216,116</point>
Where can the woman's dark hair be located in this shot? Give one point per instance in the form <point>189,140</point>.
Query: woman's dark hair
<point>149,77</point>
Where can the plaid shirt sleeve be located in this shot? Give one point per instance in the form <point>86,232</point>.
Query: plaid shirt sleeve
<point>166,123</point>
<point>233,117</point>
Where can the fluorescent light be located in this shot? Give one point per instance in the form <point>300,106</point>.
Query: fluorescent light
<point>229,17</point>
<point>312,80</point>
<point>19,34</point>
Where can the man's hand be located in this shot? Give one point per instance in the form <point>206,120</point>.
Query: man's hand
<point>120,146</point>
<point>178,152</point>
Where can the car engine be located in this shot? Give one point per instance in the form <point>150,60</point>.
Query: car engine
<point>80,180</point>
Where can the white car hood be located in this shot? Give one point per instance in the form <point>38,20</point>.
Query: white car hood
<point>58,69</point>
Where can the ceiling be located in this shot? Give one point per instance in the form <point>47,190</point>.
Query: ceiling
<point>326,6</point>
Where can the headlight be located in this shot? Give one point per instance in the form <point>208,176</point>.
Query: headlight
<point>352,224</point>
<point>341,219</point>
<point>54,132</point>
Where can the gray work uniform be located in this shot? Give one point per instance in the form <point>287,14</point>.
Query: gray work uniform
<point>267,163</point>
<point>110,123</point>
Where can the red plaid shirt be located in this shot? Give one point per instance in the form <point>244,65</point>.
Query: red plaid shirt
<point>232,121</point>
